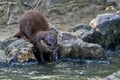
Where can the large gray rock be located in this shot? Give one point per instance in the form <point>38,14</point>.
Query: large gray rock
<point>105,23</point>
<point>106,31</point>
<point>82,31</point>
<point>16,49</point>
<point>71,45</point>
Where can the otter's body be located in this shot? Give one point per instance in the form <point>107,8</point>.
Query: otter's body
<point>35,27</point>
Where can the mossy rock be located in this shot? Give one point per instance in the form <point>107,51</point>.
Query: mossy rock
<point>18,50</point>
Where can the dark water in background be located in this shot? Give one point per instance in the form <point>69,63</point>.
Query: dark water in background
<point>66,69</point>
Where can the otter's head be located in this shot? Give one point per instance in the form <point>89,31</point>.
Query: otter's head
<point>49,40</point>
<point>47,44</point>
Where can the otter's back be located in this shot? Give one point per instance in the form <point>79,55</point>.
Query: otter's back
<point>32,22</point>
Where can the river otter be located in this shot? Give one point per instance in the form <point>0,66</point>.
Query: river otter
<point>35,27</point>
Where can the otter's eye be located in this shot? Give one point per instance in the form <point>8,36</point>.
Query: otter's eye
<point>50,40</point>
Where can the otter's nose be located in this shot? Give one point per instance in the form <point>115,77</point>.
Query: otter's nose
<point>52,46</point>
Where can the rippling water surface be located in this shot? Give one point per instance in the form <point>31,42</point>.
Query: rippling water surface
<point>66,69</point>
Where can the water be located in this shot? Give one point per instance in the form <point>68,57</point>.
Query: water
<point>66,69</point>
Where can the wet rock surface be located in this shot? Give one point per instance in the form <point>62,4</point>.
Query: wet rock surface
<point>106,31</point>
<point>71,45</point>
<point>16,50</point>
<point>105,22</point>
<point>83,31</point>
